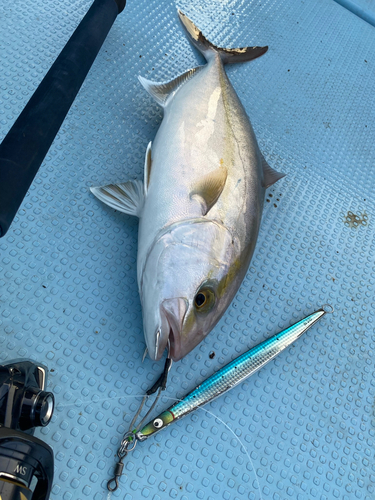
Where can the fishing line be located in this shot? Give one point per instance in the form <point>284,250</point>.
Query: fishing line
<point>232,432</point>
<point>241,443</point>
<point>61,407</point>
<point>174,400</point>
<point>249,362</point>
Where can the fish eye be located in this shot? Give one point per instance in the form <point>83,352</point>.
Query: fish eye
<point>204,299</point>
<point>200,299</point>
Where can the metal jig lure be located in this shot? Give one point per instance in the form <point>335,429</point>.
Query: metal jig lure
<point>217,384</point>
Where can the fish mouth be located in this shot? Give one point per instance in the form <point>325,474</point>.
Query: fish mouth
<point>173,312</point>
<point>174,346</point>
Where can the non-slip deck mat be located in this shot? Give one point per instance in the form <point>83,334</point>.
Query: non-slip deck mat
<point>304,426</point>
<point>365,9</point>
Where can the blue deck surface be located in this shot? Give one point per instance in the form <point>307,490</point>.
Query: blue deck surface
<point>365,9</point>
<point>304,426</point>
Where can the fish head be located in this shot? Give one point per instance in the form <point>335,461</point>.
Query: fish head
<point>190,277</point>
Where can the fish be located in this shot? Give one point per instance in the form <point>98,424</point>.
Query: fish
<point>200,202</point>
<point>216,385</point>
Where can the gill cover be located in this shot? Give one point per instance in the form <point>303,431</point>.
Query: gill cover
<point>184,285</point>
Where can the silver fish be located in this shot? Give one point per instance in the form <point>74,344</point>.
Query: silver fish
<point>200,202</point>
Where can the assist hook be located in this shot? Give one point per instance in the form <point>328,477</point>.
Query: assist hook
<point>129,437</point>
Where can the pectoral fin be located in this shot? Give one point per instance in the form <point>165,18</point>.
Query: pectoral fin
<point>127,197</point>
<point>208,189</point>
<point>270,176</point>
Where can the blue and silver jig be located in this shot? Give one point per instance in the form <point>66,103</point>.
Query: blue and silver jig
<point>217,384</point>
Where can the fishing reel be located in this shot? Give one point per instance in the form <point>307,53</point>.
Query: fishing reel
<point>26,462</point>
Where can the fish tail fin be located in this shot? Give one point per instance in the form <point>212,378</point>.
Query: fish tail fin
<point>209,50</point>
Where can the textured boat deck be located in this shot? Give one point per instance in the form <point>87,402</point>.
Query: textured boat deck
<point>304,426</point>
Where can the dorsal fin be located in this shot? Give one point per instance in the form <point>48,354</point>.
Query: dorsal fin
<point>270,176</point>
<point>161,91</point>
<point>208,189</point>
<point>127,197</point>
<point>148,165</point>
